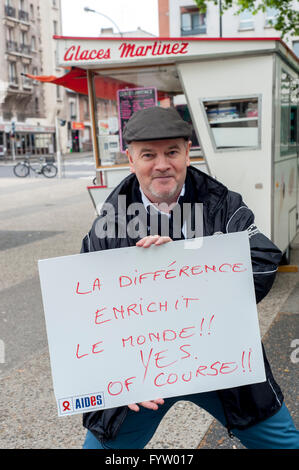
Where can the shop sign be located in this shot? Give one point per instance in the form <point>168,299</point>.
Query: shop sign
<point>92,52</point>
<point>78,126</point>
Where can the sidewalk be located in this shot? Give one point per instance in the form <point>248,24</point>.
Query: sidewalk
<point>77,155</point>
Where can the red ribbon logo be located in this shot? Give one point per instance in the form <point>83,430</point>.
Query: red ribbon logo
<point>66,406</point>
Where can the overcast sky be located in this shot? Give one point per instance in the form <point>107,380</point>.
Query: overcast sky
<point>127,14</point>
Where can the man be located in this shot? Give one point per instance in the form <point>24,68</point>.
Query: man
<point>162,179</point>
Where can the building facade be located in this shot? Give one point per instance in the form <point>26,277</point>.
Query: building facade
<point>31,112</point>
<point>182,18</point>
<point>22,103</point>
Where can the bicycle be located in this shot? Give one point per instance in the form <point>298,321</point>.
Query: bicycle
<point>46,168</point>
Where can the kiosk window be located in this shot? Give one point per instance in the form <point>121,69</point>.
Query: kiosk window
<point>289,112</point>
<point>234,123</point>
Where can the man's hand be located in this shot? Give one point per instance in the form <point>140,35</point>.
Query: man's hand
<point>153,240</point>
<point>151,405</point>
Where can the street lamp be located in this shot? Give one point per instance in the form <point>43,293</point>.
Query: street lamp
<point>105,16</point>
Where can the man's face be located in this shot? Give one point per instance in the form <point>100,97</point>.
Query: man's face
<point>160,167</point>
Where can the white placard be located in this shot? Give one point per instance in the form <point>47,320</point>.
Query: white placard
<point>135,324</point>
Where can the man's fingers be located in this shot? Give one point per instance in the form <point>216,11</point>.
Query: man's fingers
<point>163,240</point>
<point>134,407</point>
<point>152,240</point>
<point>147,241</point>
<point>150,405</point>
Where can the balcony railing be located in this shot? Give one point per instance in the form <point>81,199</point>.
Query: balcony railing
<point>192,31</point>
<point>27,82</point>
<point>13,81</point>
<point>25,48</point>
<point>23,15</point>
<point>12,46</point>
<point>10,11</point>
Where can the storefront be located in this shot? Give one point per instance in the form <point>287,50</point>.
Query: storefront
<point>26,140</point>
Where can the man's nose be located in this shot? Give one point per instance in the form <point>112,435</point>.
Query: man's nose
<point>161,163</point>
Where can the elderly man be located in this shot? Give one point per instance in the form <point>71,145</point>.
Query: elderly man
<point>161,179</point>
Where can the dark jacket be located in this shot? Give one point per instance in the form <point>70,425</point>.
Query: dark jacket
<point>223,211</point>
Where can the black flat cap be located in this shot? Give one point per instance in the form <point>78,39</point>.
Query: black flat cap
<point>156,123</point>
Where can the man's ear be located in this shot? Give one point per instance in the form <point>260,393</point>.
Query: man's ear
<point>130,158</point>
<point>188,147</point>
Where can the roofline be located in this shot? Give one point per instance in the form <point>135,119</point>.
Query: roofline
<point>158,38</point>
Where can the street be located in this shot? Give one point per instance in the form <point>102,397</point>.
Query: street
<point>42,218</point>
<point>72,167</point>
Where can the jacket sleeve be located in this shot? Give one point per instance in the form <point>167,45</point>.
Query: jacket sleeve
<point>265,256</point>
<point>91,242</point>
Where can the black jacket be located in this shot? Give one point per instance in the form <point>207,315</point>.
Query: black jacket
<point>223,211</point>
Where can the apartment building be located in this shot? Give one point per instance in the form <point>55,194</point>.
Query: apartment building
<point>182,18</point>
<point>30,110</point>
<point>22,102</point>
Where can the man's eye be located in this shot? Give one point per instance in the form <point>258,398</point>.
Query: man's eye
<point>173,153</point>
<point>147,155</point>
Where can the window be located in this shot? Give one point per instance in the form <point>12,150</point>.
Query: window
<point>234,122</point>
<point>36,105</point>
<point>11,44</point>
<point>9,9</point>
<point>33,43</point>
<point>10,34</point>
<point>55,29</point>
<point>12,70</point>
<point>58,92</point>
<point>86,109</point>
<point>32,11</point>
<point>72,111</point>
<point>27,83</point>
<point>24,46</point>
<point>246,20</point>
<point>296,47</point>
<point>289,98</point>
<point>35,73</point>
<point>192,22</point>
<point>271,15</point>
<point>24,38</point>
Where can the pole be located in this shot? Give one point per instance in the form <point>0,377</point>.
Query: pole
<point>92,111</point>
<point>220,19</point>
<point>58,151</point>
<point>13,148</point>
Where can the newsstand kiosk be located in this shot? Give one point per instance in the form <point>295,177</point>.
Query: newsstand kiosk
<point>241,96</point>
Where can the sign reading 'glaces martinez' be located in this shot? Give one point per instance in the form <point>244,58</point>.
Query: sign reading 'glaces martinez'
<point>87,52</point>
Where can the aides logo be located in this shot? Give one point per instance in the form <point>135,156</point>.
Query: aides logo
<point>80,404</point>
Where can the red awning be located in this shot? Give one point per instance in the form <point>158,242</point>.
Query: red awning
<point>76,79</point>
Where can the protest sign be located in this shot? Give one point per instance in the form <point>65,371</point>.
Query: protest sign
<point>135,324</point>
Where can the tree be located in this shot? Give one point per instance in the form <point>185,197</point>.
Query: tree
<point>286,21</point>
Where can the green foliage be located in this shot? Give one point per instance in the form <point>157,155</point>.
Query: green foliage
<point>287,19</point>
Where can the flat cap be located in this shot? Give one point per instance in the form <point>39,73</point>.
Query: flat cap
<point>156,123</point>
